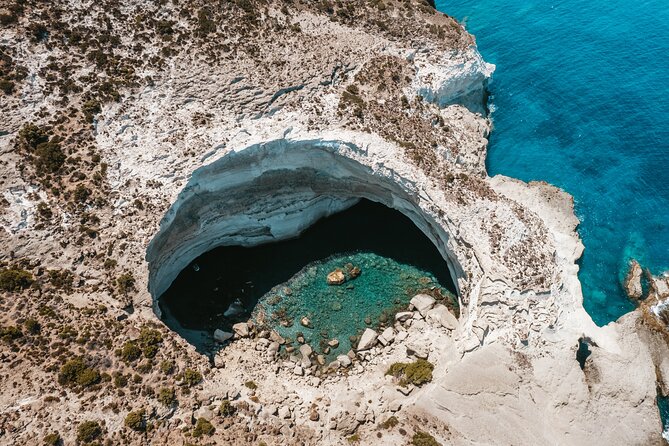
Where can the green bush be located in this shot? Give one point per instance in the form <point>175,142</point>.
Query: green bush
<point>15,279</point>
<point>424,439</point>
<point>9,334</point>
<point>150,340</point>
<point>227,409</point>
<point>90,109</point>
<point>125,283</point>
<point>251,385</point>
<point>417,373</point>
<point>88,431</point>
<point>130,352</point>
<point>52,439</point>
<point>167,367</point>
<point>192,377</point>
<point>135,420</point>
<point>203,427</point>
<point>32,325</point>
<point>61,279</point>
<point>7,86</point>
<point>49,157</point>
<point>390,422</point>
<point>120,380</point>
<point>33,135</point>
<point>167,397</point>
<point>75,372</point>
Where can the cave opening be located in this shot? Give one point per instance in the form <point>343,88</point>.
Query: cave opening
<point>286,280</point>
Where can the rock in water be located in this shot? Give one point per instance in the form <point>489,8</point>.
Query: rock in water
<point>367,340</point>
<point>235,308</point>
<point>305,322</point>
<point>633,281</point>
<point>222,336</point>
<point>336,277</point>
<point>241,329</point>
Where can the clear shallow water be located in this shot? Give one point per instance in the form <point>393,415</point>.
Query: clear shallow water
<point>580,100</point>
<point>340,312</point>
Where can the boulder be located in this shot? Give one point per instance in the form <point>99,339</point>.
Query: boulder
<point>395,405</point>
<point>306,350</point>
<point>284,412</point>
<point>442,316</point>
<point>222,336</point>
<point>305,322</point>
<point>387,336</point>
<point>402,335</point>
<point>241,329</point>
<point>262,344</point>
<point>333,343</point>
<point>419,351</point>
<point>336,277</point>
<point>276,337</point>
<point>403,316</point>
<point>344,360</point>
<point>367,340</point>
<point>423,303</point>
<point>633,281</point>
<point>298,370</point>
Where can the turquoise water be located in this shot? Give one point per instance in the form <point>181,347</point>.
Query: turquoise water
<point>342,312</point>
<point>580,101</point>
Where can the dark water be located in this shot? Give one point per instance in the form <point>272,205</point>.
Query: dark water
<point>390,249</point>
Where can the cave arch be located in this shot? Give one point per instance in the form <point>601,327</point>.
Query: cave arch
<point>274,190</point>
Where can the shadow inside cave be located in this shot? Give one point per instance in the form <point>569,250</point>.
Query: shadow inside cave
<point>195,304</point>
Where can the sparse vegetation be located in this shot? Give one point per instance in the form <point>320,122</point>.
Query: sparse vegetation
<point>75,372</point>
<point>125,283</point>
<point>390,423</point>
<point>226,409</point>
<point>192,377</point>
<point>130,352</point>
<point>167,396</point>
<point>15,279</point>
<point>136,420</point>
<point>417,373</point>
<point>203,427</point>
<point>11,333</point>
<point>53,439</point>
<point>88,431</point>
<point>424,439</point>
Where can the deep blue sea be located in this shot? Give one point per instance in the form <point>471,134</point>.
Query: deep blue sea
<point>580,100</point>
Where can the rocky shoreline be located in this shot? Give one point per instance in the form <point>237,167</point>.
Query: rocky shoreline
<point>138,135</point>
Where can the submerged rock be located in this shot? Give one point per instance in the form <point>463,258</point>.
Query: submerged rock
<point>336,277</point>
<point>367,340</point>
<point>222,336</point>
<point>632,284</point>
